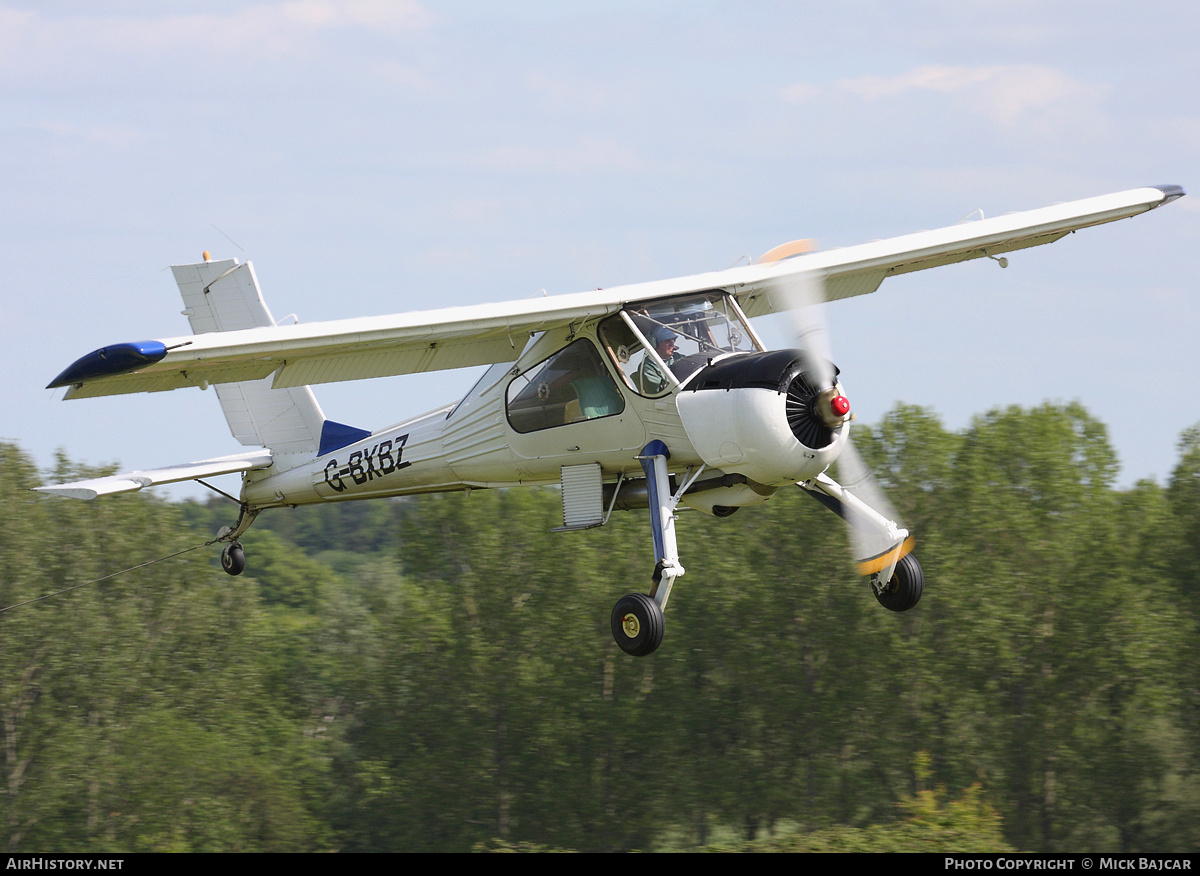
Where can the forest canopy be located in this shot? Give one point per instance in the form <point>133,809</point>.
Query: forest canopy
<point>438,673</point>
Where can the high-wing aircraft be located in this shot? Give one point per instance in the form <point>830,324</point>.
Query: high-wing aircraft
<point>651,395</point>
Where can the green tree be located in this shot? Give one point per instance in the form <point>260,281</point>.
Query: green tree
<point>125,699</point>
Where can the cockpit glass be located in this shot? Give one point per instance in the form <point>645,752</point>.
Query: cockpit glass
<point>569,386</point>
<point>685,332</point>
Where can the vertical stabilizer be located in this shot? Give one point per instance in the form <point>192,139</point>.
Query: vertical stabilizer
<point>222,297</point>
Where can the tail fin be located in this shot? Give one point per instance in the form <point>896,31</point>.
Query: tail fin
<point>224,296</point>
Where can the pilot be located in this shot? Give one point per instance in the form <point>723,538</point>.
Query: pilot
<point>650,376</point>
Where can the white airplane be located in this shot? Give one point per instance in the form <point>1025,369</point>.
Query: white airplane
<point>652,395</point>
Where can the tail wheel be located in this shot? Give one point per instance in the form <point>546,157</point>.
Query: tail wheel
<point>637,624</point>
<point>233,559</point>
<point>904,590</point>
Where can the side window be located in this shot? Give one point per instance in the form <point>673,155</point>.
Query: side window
<point>640,371</point>
<point>570,386</point>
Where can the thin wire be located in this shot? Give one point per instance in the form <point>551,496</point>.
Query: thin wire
<point>204,483</point>
<point>231,240</point>
<point>106,577</point>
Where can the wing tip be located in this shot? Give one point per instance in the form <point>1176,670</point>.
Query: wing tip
<point>1170,193</point>
<point>68,492</point>
<point>110,360</point>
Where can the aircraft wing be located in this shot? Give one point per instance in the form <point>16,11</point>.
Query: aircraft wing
<point>135,480</point>
<point>858,270</point>
<point>457,337</point>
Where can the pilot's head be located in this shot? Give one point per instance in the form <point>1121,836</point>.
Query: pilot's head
<point>664,341</point>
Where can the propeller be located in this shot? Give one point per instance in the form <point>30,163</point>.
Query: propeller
<point>803,296</point>
<point>877,539</point>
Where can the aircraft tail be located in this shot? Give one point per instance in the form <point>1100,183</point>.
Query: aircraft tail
<point>223,296</point>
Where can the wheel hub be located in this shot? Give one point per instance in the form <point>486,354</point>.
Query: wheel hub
<point>630,625</point>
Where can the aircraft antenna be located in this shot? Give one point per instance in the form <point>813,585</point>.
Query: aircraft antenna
<point>231,240</point>
<point>106,577</point>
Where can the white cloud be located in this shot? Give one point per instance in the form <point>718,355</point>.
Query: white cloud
<point>403,76</point>
<point>112,134</point>
<point>267,28</point>
<point>587,155</point>
<point>12,20</point>
<point>801,92</point>
<point>1182,130</point>
<point>1004,94</point>
<point>372,14</point>
<point>566,92</point>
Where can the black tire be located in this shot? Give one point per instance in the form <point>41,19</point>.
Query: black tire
<point>637,624</point>
<point>233,559</point>
<point>905,589</point>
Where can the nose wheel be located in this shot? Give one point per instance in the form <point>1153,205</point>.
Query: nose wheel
<point>904,589</point>
<point>637,624</point>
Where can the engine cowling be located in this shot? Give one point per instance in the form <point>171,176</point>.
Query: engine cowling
<point>766,416</point>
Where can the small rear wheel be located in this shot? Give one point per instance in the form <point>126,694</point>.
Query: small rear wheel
<point>637,624</point>
<point>233,559</point>
<point>904,590</point>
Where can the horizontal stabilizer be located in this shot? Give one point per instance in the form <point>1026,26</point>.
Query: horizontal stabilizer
<point>135,480</point>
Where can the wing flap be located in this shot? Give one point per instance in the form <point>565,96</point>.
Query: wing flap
<point>843,285</point>
<point>160,381</point>
<point>405,359</point>
<point>952,258</point>
<point>135,480</point>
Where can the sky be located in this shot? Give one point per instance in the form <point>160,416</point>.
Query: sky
<point>378,156</point>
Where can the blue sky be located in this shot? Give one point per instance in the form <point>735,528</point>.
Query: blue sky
<point>373,156</point>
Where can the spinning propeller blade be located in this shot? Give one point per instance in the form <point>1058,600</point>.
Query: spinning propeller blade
<point>875,546</point>
<point>877,539</point>
<point>803,296</point>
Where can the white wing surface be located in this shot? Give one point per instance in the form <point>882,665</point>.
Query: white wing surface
<point>457,337</point>
<point>858,270</point>
<point>135,480</point>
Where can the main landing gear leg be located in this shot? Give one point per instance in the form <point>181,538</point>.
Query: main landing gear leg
<point>637,619</point>
<point>233,557</point>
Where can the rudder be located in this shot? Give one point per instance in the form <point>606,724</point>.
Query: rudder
<point>222,297</point>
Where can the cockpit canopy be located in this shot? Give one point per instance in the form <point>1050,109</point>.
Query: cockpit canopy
<point>658,346</point>
<point>655,347</point>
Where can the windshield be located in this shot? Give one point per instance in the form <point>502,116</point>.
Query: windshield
<point>684,332</point>
<point>702,324</point>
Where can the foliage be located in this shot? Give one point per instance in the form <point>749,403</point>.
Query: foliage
<point>132,711</point>
<point>438,673</point>
<point>931,824</point>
